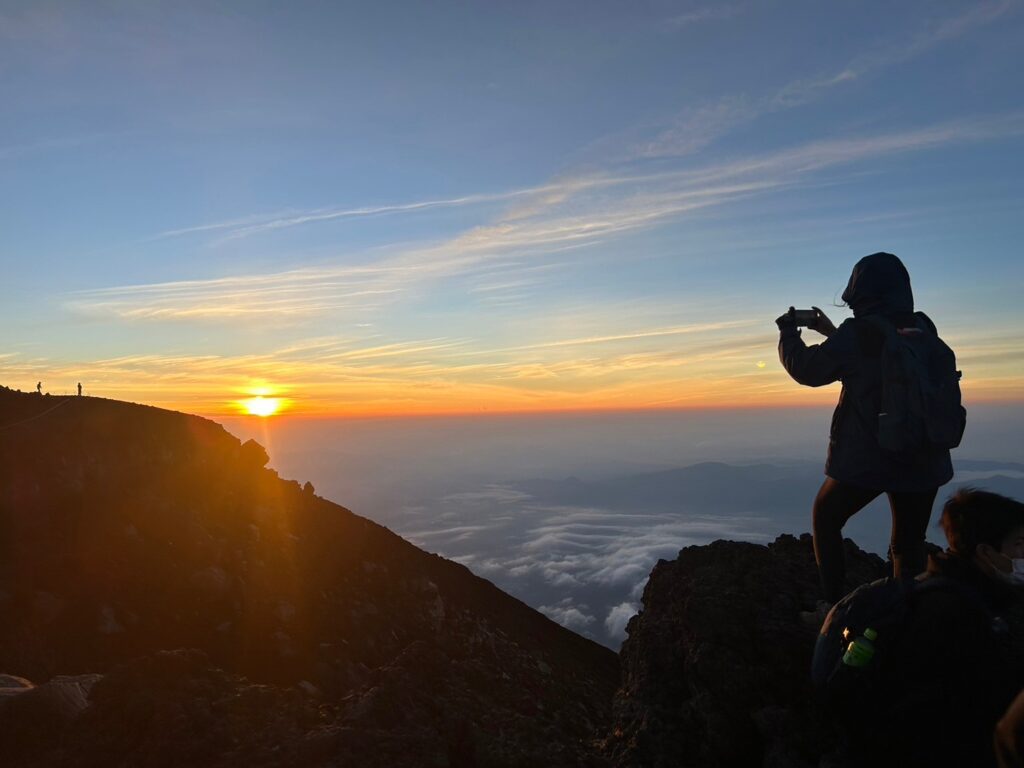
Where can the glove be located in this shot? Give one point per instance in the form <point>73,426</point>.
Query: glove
<point>787,322</point>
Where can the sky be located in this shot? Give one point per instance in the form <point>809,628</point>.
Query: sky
<point>397,208</point>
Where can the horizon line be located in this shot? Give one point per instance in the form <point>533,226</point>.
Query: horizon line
<point>638,410</point>
<point>311,415</point>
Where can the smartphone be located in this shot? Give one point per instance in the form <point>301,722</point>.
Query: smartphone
<point>805,316</point>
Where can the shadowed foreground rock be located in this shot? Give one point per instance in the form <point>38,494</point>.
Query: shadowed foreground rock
<point>716,666</point>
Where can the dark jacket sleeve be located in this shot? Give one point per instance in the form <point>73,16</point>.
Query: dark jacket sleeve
<point>818,364</point>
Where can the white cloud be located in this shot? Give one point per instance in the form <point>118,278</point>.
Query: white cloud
<point>617,619</point>
<point>591,546</point>
<point>699,126</point>
<point>707,13</point>
<point>255,224</point>
<point>585,211</point>
<point>568,615</point>
<point>575,551</point>
<point>498,494</point>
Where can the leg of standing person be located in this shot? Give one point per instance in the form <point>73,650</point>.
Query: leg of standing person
<point>835,503</point>
<point>910,515</point>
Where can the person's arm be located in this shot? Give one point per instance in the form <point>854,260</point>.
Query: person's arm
<point>1009,735</point>
<point>815,365</point>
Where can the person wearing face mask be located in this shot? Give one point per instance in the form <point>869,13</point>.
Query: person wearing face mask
<point>958,664</point>
<point>858,469</point>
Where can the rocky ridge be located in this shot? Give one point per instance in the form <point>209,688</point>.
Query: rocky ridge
<point>180,604</point>
<point>716,667</point>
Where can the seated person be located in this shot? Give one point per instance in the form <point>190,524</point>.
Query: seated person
<point>954,672</point>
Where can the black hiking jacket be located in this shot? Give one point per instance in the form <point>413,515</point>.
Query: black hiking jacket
<point>879,285</point>
<point>956,670</point>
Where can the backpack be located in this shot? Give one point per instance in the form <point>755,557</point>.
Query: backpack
<point>884,606</point>
<point>880,605</point>
<point>920,406</point>
<point>866,703</point>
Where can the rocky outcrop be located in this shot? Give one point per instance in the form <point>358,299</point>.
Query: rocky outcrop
<point>715,670</point>
<point>314,636</point>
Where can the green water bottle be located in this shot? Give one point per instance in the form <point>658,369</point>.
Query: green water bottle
<point>861,650</point>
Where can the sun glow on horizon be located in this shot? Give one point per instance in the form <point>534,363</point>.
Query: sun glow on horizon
<point>262,406</point>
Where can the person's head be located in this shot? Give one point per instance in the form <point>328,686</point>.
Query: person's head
<point>879,284</point>
<point>984,526</point>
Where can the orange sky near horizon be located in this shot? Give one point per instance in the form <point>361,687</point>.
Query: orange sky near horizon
<point>760,388</point>
<point>575,367</point>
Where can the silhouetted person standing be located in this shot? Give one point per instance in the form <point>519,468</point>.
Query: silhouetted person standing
<point>39,387</point>
<point>858,469</point>
<point>79,389</point>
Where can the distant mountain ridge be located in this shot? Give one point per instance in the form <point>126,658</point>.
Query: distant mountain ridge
<point>725,486</point>
<point>127,532</point>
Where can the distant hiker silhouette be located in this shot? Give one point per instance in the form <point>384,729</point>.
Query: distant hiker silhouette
<point>898,415</point>
<point>39,387</point>
<point>79,389</point>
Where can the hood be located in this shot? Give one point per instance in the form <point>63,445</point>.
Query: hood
<point>879,285</point>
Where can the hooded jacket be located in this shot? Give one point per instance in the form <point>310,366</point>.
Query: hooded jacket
<point>879,285</point>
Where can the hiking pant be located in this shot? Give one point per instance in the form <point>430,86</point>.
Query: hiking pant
<point>837,502</point>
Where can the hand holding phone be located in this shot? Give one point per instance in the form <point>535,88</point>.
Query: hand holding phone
<point>812,318</point>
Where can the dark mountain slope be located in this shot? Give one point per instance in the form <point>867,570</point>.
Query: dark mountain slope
<point>127,530</point>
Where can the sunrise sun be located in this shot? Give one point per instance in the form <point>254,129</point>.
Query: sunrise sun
<point>262,406</point>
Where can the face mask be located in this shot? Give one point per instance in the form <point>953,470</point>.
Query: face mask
<point>1017,574</point>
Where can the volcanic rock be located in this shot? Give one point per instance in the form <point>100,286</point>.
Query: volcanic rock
<point>716,667</point>
<point>237,618</point>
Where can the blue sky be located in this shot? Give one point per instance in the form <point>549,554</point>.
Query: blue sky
<point>434,207</point>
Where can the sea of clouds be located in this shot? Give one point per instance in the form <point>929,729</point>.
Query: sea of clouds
<point>569,513</point>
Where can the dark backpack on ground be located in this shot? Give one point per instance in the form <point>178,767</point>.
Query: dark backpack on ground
<point>920,406</point>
